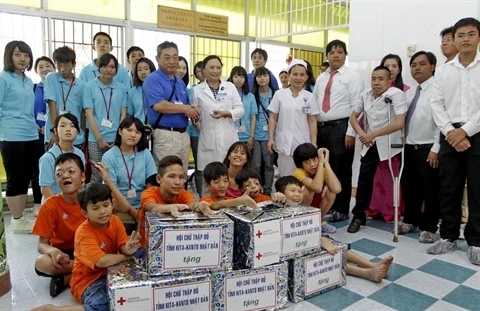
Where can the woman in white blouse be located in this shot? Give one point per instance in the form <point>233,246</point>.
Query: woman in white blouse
<point>293,110</point>
<point>220,105</point>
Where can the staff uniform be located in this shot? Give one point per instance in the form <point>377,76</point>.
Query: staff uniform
<point>107,103</point>
<point>136,103</point>
<point>170,135</point>
<point>344,88</point>
<point>251,76</point>
<point>194,137</point>
<point>292,125</point>
<point>216,135</point>
<point>67,98</point>
<point>250,109</point>
<point>91,72</point>
<point>376,114</point>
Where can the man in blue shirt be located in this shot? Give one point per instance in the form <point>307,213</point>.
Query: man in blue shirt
<point>259,58</point>
<point>168,107</point>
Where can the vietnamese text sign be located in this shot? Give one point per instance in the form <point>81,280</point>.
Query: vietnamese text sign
<point>322,272</point>
<point>251,292</point>
<point>301,233</point>
<point>191,296</point>
<point>175,19</point>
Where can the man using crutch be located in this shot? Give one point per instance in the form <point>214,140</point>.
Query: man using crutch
<point>374,103</point>
<point>456,111</point>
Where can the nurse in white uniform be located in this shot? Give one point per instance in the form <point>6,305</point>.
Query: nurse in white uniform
<point>297,124</point>
<point>220,106</point>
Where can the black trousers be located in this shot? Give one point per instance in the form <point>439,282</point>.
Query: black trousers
<point>331,135</point>
<point>420,182</point>
<point>454,168</point>
<point>39,151</point>
<point>368,168</point>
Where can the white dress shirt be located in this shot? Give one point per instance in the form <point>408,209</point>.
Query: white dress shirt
<point>422,129</point>
<point>344,93</point>
<point>456,96</point>
<point>376,117</point>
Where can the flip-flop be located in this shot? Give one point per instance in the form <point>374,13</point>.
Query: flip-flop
<point>57,285</point>
<point>328,228</point>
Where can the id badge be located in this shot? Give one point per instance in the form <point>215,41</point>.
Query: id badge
<point>306,109</point>
<point>107,123</point>
<point>41,116</point>
<point>265,128</point>
<point>63,112</point>
<point>241,129</point>
<point>131,193</point>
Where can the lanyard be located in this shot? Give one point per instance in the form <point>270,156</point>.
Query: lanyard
<point>241,96</point>
<point>107,108</point>
<point>143,105</point>
<point>129,174</point>
<point>58,145</point>
<point>68,94</point>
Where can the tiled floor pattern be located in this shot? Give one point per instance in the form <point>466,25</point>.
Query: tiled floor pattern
<point>416,281</point>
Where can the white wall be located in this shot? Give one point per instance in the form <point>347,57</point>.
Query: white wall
<point>381,27</point>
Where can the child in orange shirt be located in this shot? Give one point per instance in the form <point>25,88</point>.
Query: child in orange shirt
<point>249,179</point>
<point>215,175</point>
<point>100,242</point>
<point>358,266</point>
<point>59,219</point>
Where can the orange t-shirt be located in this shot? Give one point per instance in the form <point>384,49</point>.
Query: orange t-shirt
<point>210,201</point>
<point>57,221</point>
<point>153,195</point>
<point>262,198</point>
<point>91,244</point>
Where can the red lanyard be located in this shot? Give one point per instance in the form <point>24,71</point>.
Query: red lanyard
<point>107,108</point>
<point>129,174</point>
<point>68,94</point>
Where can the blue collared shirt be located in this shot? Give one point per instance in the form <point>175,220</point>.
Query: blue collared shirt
<point>91,72</point>
<point>54,85</point>
<point>157,87</point>
<point>260,133</point>
<point>40,105</point>
<point>143,167</point>
<point>47,167</point>
<point>272,78</point>
<point>250,109</point>
<point>93,99</point>
<point>135,105</point>
<point>17,122</point>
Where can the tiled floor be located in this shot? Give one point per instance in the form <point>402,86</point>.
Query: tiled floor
<point>416,281</point>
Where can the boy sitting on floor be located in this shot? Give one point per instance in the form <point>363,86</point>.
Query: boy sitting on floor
<point>249,179</point>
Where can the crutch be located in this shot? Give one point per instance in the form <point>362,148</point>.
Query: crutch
<point>396,179</point>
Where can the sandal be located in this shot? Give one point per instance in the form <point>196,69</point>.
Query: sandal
<point>57,285</point>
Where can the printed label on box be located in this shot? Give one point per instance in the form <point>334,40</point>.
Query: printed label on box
<point>266,243</point>
<point>322,272</point>
<point>192,296</point>
<point>251,292</point>
<point>134,298</point>
<point>192,248</point>
<point>301,233</point>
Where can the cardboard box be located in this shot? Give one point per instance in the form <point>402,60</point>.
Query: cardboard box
<point>315,274</point>
<point>193,243</point>
<point>130,288</point>
<point>263,288</point>
<point>274,234</point>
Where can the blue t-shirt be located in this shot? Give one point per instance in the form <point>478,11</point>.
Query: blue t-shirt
<point>250,109</point>
<point>91,72</point>
<point>272,78</point>
<point>66,99</point>
<point>17,122</point>
<point>135,105</point>
<point>40,108</point>
<point>107,103</point>
<point>143,167</point>
<point>260,133</point>
<point>47,167</point>
<point>157,87</point>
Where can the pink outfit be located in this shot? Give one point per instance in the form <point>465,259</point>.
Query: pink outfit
<point>234,193</point>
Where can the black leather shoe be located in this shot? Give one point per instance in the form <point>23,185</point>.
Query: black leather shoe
<point>355,225</point>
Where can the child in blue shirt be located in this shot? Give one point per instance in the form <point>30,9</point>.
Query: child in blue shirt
<point>105,104</point>
<point>63,93</point>
<point>136,99</point>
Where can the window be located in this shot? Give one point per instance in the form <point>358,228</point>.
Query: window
<point>104,8</point>
<point>228,51</point>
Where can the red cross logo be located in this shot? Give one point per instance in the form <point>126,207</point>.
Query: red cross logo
<point>259,256</point>
<point>259,234</point>
<point>121,301</point>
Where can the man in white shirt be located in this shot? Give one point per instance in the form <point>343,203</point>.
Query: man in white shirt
<point>420,181</point>
<point>336,91</point>
<point>456,111</point>
<point>448,47</point>
<point>374,104</point>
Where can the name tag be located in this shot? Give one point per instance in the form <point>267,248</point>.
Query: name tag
<point>107,123</point>
<point>265,128</point>
<point>41,117</point>
<point>63,112</point>
<point>131,193</point>
<point>241,129</point>
<point>306,109</point>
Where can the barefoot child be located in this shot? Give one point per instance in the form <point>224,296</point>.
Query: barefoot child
<point>357,265</point>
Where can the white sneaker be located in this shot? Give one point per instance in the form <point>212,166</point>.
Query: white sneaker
<point>462,230</point>
<point>35,209</point>
<point>22,225</point>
